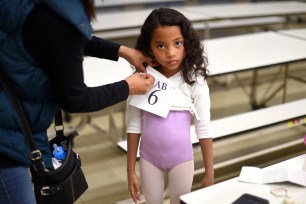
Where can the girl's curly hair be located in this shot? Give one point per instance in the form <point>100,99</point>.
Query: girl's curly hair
<point>195,62</point>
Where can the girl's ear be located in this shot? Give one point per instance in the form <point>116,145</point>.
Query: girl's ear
<point>155,63</point>
<point>153,58</point>
<point>150,52</point>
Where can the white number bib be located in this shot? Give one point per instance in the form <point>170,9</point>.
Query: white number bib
<point>158,100</point>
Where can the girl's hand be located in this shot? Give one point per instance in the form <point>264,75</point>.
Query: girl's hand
<point>207,180</point>
<point>134,187</point>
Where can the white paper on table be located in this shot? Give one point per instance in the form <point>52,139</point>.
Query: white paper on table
<point>272,175</point>
<point>159,99</point>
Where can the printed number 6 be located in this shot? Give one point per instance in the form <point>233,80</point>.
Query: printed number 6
<point>155,98</point>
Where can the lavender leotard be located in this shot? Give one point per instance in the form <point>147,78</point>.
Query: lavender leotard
<point>165,142</point>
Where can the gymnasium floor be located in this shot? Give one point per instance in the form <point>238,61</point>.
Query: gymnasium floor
<point>105,165</point>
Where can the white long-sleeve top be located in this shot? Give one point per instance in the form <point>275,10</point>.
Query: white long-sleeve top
<point>194,98</point>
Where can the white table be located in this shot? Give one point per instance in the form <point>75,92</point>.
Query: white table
<point>250,10</point>
<point>98,72</point>
<point>134,19</point>
<point>247,10</point>
<point>127,20</point>
<point>131,19</point>
<point>197,13</point>
<point>298,33</point>
<point>107,3</point>
<point>230,55</point>
<point>249,51</point>
<point>228,191</point>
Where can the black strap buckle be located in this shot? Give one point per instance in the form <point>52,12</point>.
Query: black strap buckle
<point>59,127</point>
<point>35,155</point>
<point>48,190</point>
<point>39,166</point>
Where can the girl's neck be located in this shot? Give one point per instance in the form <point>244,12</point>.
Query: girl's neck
<point>167,73</point>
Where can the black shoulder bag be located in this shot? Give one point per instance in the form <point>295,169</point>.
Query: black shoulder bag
<point>63,185</point>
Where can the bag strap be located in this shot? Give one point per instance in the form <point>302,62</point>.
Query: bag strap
<point>58,123</point>
<point>35,154</point>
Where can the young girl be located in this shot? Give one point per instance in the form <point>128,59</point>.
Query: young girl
<point>165,145</point>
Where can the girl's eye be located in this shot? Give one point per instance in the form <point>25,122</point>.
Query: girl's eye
<point>160,46</point>
<point>178,43</point>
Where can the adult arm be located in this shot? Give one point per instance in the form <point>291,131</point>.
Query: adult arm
<point>59,48</point>
<point>98,47</point>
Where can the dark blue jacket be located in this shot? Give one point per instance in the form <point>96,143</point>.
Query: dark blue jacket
<point>29,81</point>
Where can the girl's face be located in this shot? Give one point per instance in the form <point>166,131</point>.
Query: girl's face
<point>167,46</point>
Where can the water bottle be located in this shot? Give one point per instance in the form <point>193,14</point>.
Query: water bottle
<point>58,152</point>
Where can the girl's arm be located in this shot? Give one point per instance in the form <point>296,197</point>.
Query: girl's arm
<point>132,148</point>
<point>200,94</point>
<point>207,155</point>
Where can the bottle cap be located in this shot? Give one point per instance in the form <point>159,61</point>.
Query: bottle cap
<point>58,152</point>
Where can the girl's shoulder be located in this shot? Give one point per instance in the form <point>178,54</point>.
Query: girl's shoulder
<point>200,80</point>
<point>200,86</point>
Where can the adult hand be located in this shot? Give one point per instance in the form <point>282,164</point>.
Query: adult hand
<point>140,83</point>
<point>136,58</point>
